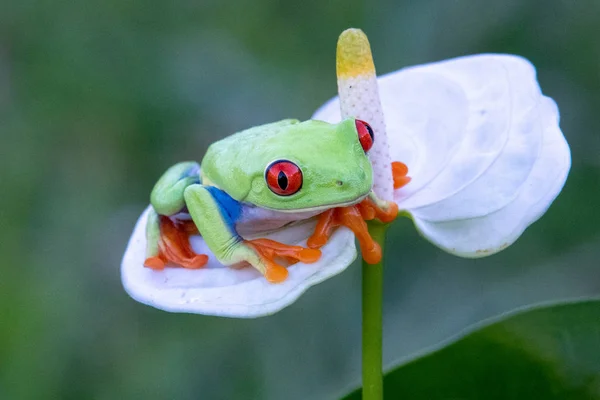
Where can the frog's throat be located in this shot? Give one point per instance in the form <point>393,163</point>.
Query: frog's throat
<point>321,207</point>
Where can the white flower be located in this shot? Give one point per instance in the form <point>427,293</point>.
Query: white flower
<point>486,157</point>
<point>482,144</point>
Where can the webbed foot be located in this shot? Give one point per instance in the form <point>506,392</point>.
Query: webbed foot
<point>174,246</point>
<point>268,251</point>
<point>354,218</point>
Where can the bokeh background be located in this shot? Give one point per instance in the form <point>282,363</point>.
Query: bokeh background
<point>97,98</point>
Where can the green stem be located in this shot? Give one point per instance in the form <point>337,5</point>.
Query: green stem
<point>372,310</point>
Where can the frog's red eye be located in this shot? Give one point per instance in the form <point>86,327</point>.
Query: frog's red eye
<point>283,177</point>
<point>365,134</point>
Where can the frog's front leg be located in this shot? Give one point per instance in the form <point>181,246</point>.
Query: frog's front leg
<point>215,213</point>
<point>354,217</point>
<point>386,211</point>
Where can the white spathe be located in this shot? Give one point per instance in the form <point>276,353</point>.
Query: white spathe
<point>224,291</point>
<point>483,148</point>
<point>486,157</point>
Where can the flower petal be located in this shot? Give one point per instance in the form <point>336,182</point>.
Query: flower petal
<point>477,136</point>
<point>224,291</point>
<point>488,234</point>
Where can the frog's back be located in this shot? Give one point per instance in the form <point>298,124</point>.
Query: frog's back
<point>250,138</point>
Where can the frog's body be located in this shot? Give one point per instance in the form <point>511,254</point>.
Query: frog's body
<point>261,179</point>
<point>255,220</point>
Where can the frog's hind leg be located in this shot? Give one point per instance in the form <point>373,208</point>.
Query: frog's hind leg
<point>168,237</point>
<point>154,259</point>
<point>167,195</point>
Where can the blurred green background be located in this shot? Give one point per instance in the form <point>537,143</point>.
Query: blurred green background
<point>97,98</point>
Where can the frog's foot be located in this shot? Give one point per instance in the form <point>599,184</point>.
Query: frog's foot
<point>269,251</point>
<point>373,208</point>
<point>174,247</point>
<point>399,173</point>
<point>352,218</point>
<point>156,263</point>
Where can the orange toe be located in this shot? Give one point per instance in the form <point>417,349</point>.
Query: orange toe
<point>388,215</point>
<point>269,250</point>
<point>276,274</point>
<point>323,230</point>
<point>399,172</point>
<point>154,263</point>
<point>195,262</point>
<point>309,256</point>
<point>371,255</point>
<point>367,210</point>
<point>353,218</point>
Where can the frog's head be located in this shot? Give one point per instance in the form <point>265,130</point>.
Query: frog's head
<point>290,166</point>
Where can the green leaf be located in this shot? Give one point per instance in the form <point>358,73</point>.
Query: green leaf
<point>545,352</point>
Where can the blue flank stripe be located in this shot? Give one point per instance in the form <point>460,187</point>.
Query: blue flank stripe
<point>231,210</point>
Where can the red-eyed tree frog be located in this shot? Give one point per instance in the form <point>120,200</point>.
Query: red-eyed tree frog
<point>262,179</point>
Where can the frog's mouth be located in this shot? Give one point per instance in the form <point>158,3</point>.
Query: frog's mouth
<point>322,207</point>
